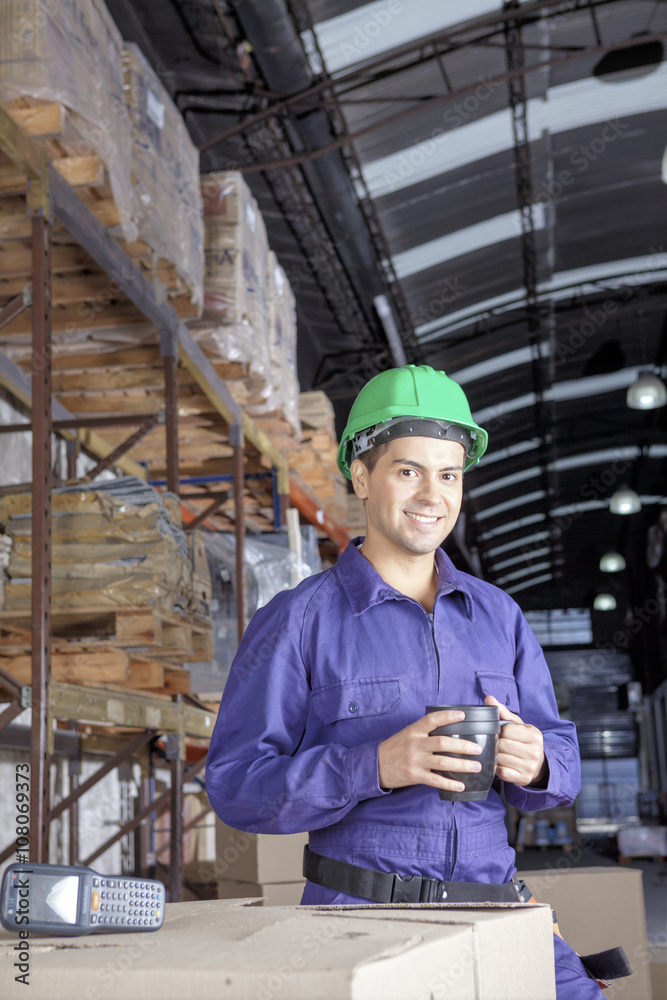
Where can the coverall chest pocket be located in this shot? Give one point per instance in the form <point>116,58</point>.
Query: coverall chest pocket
<point>502,687</point>
<point>360,708</point>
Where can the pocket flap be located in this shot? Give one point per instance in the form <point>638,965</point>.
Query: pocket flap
<point>356,699</point>
<point>502,687</point>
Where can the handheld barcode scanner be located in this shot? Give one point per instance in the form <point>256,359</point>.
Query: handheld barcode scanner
<point>68,900</point>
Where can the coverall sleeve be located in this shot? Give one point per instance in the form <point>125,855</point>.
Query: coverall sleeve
<point>255,779</point>
<point>538,707</point>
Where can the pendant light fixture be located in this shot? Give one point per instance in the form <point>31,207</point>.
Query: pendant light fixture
<point>625,501</point>
<point>612,562</point>
<point>631,62</point>
<point>604,602</point>
<point>647,393</point>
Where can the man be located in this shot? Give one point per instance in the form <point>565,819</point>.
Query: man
<point>322,726</point>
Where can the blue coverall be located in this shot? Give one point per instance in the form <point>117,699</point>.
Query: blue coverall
<point>327,671</point>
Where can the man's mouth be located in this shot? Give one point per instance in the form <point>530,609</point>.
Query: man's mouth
<point>422,518</point>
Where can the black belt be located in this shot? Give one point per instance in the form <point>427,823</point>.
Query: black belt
<point>389,887</point>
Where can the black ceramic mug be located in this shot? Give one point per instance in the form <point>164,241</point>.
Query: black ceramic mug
<point>481,725</point>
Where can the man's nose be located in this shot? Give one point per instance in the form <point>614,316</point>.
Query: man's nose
<point>429,491</point>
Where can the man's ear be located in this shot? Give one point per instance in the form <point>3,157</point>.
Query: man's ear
<point>359,474</point>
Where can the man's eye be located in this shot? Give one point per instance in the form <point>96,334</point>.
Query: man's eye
<point>408,472</point>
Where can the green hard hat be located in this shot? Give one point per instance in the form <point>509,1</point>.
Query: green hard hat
<point>413,391</point>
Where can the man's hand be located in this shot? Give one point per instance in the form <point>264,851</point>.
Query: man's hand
<point>521,758</point>
<point>409,757</point>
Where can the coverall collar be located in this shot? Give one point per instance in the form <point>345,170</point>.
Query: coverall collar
<point>365,587</point>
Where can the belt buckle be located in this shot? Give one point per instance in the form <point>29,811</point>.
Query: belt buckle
<point>406,889</point>
<point>433,891</point>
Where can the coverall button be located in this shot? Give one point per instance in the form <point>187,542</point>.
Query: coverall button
<point>353,707</point>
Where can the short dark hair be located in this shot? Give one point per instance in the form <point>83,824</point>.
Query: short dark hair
<point>371,457</point>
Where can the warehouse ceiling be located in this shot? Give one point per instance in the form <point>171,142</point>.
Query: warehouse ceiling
<point>484,196</point>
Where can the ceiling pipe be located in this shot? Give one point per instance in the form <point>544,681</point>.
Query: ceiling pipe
<point>383,308</point>
<point>280,57</point>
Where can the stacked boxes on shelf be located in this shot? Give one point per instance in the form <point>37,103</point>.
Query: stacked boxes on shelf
<point>127,607</point>
<point>107,551</point>
<point>314,460</point>
<point>113,133</point>
<point>5,553</point>
<point>234,327</point>
<point>61,77</point>
<point>555,827</point>
<point>259,864</point>
<point>165,174</point>
<point>249,315</point>
<point>282,347</point>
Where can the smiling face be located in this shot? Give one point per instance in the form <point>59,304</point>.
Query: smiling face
<point>413,495</point>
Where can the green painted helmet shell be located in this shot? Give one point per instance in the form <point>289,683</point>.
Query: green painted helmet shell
<point>412,391</point>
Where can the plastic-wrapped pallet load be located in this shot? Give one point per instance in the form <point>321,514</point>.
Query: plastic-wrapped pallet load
<point>113,544</point>
<point>69,53</point>
<point>282,347</point>
<point>235,322</point>
<point>165,173</point>
<point>270,568</point>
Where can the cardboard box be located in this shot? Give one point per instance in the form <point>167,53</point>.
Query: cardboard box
<point>215,948</point>
<point>642,841</point>
<point>272,893</point>
<point>600,908</point>
<point>258,857</point>
<point>659,977</point>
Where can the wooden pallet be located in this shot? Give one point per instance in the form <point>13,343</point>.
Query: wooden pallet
<point>100,664</point>
<point>89,378</point>
<point>146,631</point>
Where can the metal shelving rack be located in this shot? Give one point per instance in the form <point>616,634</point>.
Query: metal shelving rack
<point>48,195</point>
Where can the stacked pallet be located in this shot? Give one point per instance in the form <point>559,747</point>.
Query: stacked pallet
<point>314,459</point>
<point>100,377</point>
<point>136,648</point>
<point>107,550</point>
<point>61,79</point>
<point>282,351</point>
<point>234,325</point>
<point>131,593</point>
<point>249,314</point>
<point>165,173</point>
